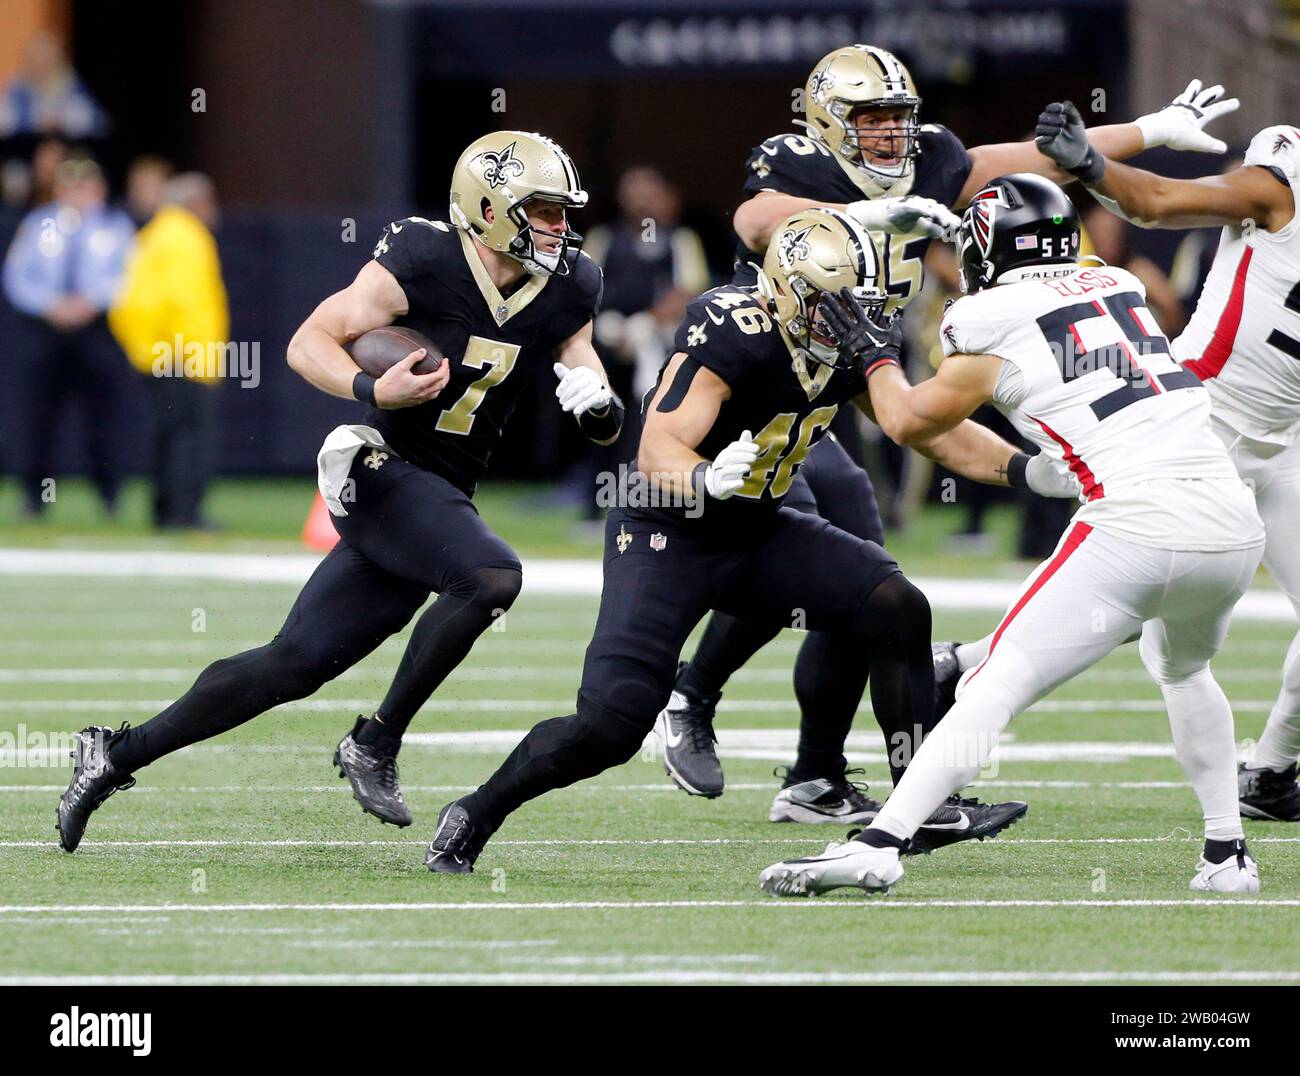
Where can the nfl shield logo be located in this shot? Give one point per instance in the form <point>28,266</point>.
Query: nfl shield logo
<point>658,541</point>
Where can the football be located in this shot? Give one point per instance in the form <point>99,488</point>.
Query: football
<point>377,350</point>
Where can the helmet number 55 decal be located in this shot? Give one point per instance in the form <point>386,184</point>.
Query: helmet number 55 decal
<point>499,359</point>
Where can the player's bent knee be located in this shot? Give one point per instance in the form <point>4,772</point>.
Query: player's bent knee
<point>491,591</point>
<point>1169,673</point>
<point>896,612</point>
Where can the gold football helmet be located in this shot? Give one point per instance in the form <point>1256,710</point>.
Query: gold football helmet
<point>816,251</point>
<point>863,76</point>
<point>504,170</point>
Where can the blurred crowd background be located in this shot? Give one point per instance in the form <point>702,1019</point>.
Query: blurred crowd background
<point>207,171</point>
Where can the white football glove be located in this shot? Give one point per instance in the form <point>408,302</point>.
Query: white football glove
<point>1179,124</point>
<point>1050,477</point>
<point>581,389</point>
<point>905,216</point>
<point>730,468</point>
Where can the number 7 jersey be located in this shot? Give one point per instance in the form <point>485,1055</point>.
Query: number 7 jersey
<point>1089,378</point>
<point>493,343</point>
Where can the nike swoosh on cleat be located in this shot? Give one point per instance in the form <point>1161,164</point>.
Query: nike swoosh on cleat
<point>949,827</point>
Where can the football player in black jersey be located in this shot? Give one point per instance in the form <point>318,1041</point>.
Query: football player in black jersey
<point>504,291</point>
<point>866,153</point>
<point>753,384</point>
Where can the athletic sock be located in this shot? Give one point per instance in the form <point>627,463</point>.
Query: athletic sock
<point>727,644</point>
<point>1200,718</point>
<point>442,638</point>
<point>378,735</point>
<point>971,654</point>
<point>1279,745</point>
<point>879,838</point>
<point>830,675</point>
<point>1218,851</point>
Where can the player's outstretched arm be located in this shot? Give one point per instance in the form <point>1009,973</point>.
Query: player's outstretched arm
<point>933,417</point>
<point>372,300</point>
<point>1179,125</point>
<point>1148,200</point>
<point>916,415</point>
<point>756,219</point>
<point>584,390</point>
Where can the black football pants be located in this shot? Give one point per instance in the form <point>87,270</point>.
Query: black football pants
<point>830,675</point>
<point>659,583</point>
<point>407,532</point>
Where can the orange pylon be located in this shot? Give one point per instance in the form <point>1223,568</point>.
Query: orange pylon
<point>318,532</point>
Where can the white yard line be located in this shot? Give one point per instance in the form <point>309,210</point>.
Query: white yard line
<point>665,786</point>
<point>663,976</point>
<point>111,674</point>
<point>541,576</point>
<point>561,705</point>
<point>854,904</point>
<point>749,744</point>
<point>579,842</point>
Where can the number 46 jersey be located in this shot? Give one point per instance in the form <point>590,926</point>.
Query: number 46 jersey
<point>1088,377</point>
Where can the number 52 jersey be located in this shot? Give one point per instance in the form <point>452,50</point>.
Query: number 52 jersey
<point>1088,377</point>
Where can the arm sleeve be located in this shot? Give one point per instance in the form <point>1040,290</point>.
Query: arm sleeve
<point>589,288</point>
<point>945,161</point>
<point>791,164</point>
<point>1010,390</point>
<point>965,330</point>
<point>23,283</point>
<point>408,248</point>
<point>719,347</point>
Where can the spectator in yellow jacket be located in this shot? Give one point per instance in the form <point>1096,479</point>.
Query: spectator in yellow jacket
<point>172,320</point>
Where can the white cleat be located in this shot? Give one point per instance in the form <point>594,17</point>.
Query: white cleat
<point>851,863</point>
<point>1236,874</point>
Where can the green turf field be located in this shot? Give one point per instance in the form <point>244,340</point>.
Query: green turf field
<point>247,860</point>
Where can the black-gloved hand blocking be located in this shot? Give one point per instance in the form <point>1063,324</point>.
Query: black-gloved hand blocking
<point>859,339</point>
<point>1061,135</point>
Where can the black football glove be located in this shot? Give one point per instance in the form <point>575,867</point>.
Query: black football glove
<point>1061,135</point>
<point>860,340</point>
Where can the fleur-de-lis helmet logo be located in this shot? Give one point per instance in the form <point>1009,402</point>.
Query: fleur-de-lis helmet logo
<point>500,168</point>
<point>821,83</point>
<point>793,245</point>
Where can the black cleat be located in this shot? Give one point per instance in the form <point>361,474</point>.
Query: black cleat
<point>946,674</point>
<point>962,819</point>
<point>456,842</point>
<point>685,728</point>
<point>823,799</point>
<point>373,777</point>
<point>1269,795</point>
<point>94,779</point>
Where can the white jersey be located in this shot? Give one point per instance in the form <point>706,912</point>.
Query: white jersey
<point>1243,339</point>
<point>1089,378</point>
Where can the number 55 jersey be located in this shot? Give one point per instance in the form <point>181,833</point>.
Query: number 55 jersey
<point>1088,377</point>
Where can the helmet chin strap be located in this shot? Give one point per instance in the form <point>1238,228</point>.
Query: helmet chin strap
<point>539,264</point>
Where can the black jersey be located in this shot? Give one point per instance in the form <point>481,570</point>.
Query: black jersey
<point>797,165</point>
<point>494,344</point>
<point>786,401</point>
